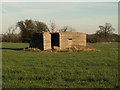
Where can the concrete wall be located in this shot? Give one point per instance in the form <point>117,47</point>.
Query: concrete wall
<point>69,39</point>
<point>66,40</point>
<point>46,41</point>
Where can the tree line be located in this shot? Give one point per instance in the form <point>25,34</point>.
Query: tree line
<point>104,34</point>
<point>29,27</point>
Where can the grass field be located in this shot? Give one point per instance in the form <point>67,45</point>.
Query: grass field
<point>27,69</point>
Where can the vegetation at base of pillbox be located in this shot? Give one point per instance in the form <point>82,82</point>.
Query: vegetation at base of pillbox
<point>24,69</point>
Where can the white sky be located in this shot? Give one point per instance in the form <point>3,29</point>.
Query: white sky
<point>82,19</point>
<point>59,0</point>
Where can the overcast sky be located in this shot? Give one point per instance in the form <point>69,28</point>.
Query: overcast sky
<point>84,17</point>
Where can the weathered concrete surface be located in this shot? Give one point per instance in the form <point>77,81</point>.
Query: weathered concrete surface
<point>46,41</point>
<point>66,40</point>
<point>69,39</point>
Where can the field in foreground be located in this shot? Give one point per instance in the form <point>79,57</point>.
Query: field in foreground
<point>27,69</point>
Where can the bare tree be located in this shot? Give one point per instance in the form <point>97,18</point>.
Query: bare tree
<point>105,30</point>
<point>53,27</point>
<point>66,28</point>
<point>11,32</point>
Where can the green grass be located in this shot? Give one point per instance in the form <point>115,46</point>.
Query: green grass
<point>27,69</point>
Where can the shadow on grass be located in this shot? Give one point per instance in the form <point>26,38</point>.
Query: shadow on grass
<point>17,49</point>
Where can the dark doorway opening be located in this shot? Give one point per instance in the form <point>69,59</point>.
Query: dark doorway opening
<point>55,40</point>
<point>37,41</point>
